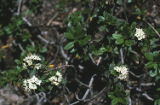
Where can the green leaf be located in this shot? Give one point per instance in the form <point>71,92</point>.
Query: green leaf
<point>129,42</point>
<point>119,41</point>
<point>17,61</point>
<point>31,48</point>
<point>69,35</point>
<point>119,2</point>
<point>116,36</point>
<point>101,19</point>
<point>129,1</point>
<point>43,49</point>
<point>102,28</point>
<point>151,65</point>
<point>84,41</point>
<point>69,46</point>
<point>153,74</point>
<point>149,56</point>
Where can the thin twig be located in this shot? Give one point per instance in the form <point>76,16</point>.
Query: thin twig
<point>129,100</point>
<point>87,91</point>
<point>74,103</point>
<point>49,22</point>
<point>38,100</point>
<point>147,84</point>
<point>20,46</point>
<point>122,58</point>
<point>90,55</point>
<point>67,99</point>
<point>59,67</point>
<point>27,21</point>
<point>90,86</point>
<point>137,76</point>
<point>147,96</point>
<point>19,7</point>
<point>46,41</point>
<point>99,60</point>
<point>81,83</point>
<point>153,29</point>
<point>43,39</point>
<point>95,96</point>
<point>64,54</point>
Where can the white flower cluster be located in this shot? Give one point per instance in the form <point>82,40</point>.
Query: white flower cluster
<point>123,72</point>
<point>28,61</point>
<point>140,34</point>
<point>55,80</point>
<point>31,84</point>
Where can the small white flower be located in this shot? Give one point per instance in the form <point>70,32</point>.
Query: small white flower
<point>24,65</point>
<point>59,79</point>
<point>29,61</point>
<point>35,80</point>
<point>139,34</point>
<point>58,74</point>
<point>55,80</point>
<point>31,84</point>
<point>56,83</point>
<point>32,57</point>
<point>123,72</point>
<point>38,66</point>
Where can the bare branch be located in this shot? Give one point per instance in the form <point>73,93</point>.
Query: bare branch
<point>90,86</point>
<point>19,7</point>
<point>20,46</point>
<point>90,55</point>
<point>95,96</point>
<point>74,103</point>
<point>49,22</point>
<point>64,54</point>
<point>87,91</point>
<point>99,60</point>
<point>147,96</point>
<point>129,100</point>
<point>25,20</point>
<point>121,54</point>
<point>67,99</point>
<point>147,84</point>
<point>46,41</point>
<point>43,39</point>
<point>137,76</point>
<point>153,29</point>
<point>81,83</point>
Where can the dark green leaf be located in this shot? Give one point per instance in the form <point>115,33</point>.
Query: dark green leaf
<point>153,74</point>
<point>43,49</point>
<point>149,56</point>
<point>69,35</point>
<point>151,65</point>
<point>69,45</point>
<point>116,36</point>
<point>84,41</point>
<point>119,41</point>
